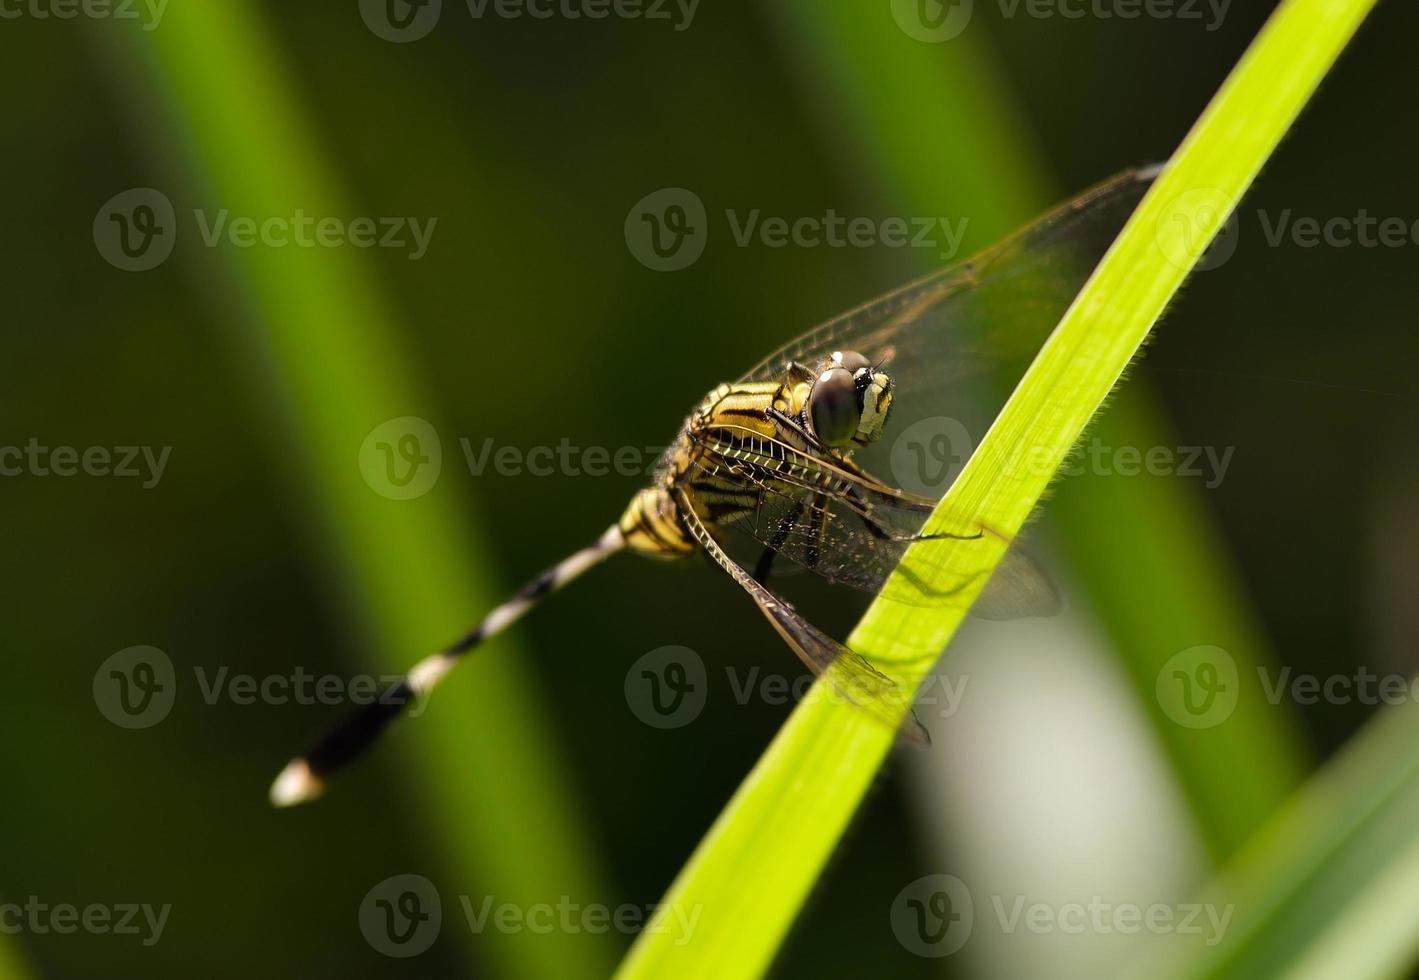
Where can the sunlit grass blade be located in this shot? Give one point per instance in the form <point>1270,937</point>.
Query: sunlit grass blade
<point>487,790</point>
<point>887,89</point>
<point>1330,888</point>
<point>752,873</point>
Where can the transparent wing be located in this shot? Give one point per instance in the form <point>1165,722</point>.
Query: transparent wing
<point>955,343</point>
<point>848,675</point>
<point>850,529</point>
<point>987,311</point>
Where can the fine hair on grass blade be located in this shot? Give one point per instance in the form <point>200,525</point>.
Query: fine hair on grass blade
<point>755,868</point>
<point>972,150</point>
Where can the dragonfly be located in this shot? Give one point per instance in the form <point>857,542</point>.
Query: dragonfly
<point>781,460</point>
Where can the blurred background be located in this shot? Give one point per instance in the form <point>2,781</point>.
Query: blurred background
<point>256,533</point>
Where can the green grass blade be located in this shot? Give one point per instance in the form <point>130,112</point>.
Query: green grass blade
<point>1331,887</point>
<point>487,790</point>
<point>753,871</point>
<point>12,962</point>
<point>884,88</point>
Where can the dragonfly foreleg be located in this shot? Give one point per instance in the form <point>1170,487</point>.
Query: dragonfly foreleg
<point>765,563</point>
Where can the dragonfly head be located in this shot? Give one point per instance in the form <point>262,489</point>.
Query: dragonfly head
<point>849,402</point>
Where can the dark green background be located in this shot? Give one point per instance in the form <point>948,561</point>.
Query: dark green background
<point>532,322</point>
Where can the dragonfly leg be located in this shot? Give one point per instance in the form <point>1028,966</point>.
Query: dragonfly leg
<point>813,552</point>
<point>765,563</point>
<point>848,673</point>
<point>864,512</point>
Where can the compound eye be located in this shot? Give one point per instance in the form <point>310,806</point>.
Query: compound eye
<point>832,407</point>
<point>850,360</point>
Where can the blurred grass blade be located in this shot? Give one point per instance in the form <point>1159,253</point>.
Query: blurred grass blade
<point>754,870</point>
<point>885,89</point>
<point>487,790</point>
<point>1331,886</point>
<point>12,961</point>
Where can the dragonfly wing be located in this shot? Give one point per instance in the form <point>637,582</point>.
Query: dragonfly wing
<point>853,530</point>
<point>952,342</point>
<point>989,309</point>
<point>849,675</point>
<point>957,341</point>
<point>1018,587</point>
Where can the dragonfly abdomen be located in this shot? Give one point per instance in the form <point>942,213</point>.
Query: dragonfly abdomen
<point>651,526</point>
